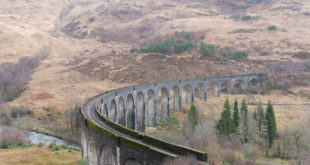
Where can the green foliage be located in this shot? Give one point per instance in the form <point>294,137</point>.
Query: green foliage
<point>20,145</point>
<point>20,112</point>
<point>113,52</point>
<point>134,50</point>
<point>225,125</point>
<point>239,54</point>
<point>193,116</point>
<point>271,123</point>
<point>180,46</point>
<point>260,115</point>
<point>91,19</point>
<point>206,50</point>
<point>236,117</point>
<point>40,144</point>
<point>169,123</point>
<point>272,28</point>
<point>47,108</point>
<point>82,162</point>
<point>245,118</point>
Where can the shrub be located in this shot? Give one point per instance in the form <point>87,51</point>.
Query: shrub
<point>169,123</point>
<point>180,46</point>
<point>240,54</point>
<point>133,50</point>
<point>206,50</point>
<point>40,144</point>
<point>82,162</point>
<point>113,52</point>
<point>91,19</point>
<point>272,28</point>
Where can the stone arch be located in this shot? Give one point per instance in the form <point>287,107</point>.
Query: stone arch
<point>253,85</point>
<point>132,161</point>
<point>225,87</point>
<point>237,87</point>
<point>130,109</point>
<point>140,112</point>
<point>112,110</point>
<point>151,108</point>
<point>187,91</point>
<point>106,155</point>
<point>163,98</point>
<point>212,89</point>
<point>200,92</point>
<point>176,98</point>
<point>121,114</point>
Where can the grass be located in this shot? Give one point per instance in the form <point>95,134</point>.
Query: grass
<point>37,156</point>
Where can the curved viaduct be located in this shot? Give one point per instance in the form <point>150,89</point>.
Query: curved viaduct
<point>114,121</point>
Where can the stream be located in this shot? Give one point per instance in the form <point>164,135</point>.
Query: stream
<point>36,138</point>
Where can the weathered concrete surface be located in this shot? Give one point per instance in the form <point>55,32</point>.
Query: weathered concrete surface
<point>105,138</point>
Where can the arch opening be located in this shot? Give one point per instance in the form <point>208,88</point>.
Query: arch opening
<point>213,90</point>
<point>163,99</point>
<point>237,87</point>
<point>151,113</point>
<point>121,112</point>
<point>253,86</point>
<point>188,94</point>
<point>105,111</point>
<point>140,111</point>
<point>225,87</point>
<point>176,102</point>
<point>112,111</point>
<point>130,117</point>
<point>199,92</point>
<point>106,156</point>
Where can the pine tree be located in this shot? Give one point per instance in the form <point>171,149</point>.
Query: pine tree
<point>260,115</point>
<point>236,117</point>
<point>193,116</point>
<point>245,119</point>
<point>225,125</point>
<point>271,123</point>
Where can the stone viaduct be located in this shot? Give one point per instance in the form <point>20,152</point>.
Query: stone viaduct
<point>114,121</point>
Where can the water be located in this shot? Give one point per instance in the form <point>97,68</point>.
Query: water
<point>36,138</point>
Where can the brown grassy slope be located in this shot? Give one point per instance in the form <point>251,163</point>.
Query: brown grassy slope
<point>38,156</point>
<point>120,25</point>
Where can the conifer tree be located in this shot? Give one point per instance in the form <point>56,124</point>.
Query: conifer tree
<point>236,117</point>
<point>225,125</point>
<point>193,116</point>
<point>245,120</point>
<point>260,115</point>
<point>271,123</point>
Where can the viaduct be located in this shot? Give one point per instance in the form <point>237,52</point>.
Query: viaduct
<point>114,121</point>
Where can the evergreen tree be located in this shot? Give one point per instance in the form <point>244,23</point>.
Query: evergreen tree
<point>260,115</point>
<point>245,119</point>
<point>236,116</point>
<point>264,135</point>
<point>271,123</point>
<point>193,116</point>
<point>225,125</point>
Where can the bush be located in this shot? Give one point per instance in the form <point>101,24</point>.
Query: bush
<point>180,46</point>
<point>40,144</point>
<point>91,19</point>
<point>272,28</point>
<point>169,123</point>
<point>206,50</point>
<point>113,52</point>
<point>240,54</point>
<point>133,50</point>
